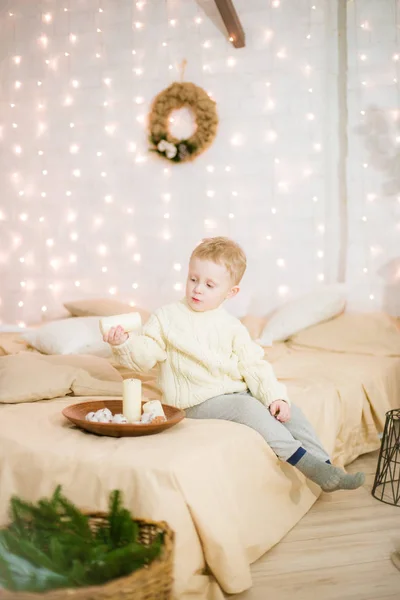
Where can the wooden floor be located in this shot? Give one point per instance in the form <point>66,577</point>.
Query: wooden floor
<point>339,551</point>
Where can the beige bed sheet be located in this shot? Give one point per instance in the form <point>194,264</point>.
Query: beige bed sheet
<point>217,484</point>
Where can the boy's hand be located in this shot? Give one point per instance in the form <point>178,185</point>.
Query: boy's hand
<point>280,410</point>
<point>115,336</point>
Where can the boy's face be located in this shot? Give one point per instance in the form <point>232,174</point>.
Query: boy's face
<point>208,285</point>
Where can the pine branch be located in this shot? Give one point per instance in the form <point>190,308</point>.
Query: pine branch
<point>52,545</point>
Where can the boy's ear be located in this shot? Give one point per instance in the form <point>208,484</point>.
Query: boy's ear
<point>234,291</point>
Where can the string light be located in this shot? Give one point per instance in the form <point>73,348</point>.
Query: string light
<point>282,180</point>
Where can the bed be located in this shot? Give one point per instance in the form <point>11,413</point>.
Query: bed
<point>217,484</point>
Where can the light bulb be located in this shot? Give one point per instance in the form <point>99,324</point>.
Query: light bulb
<point>76,173</point>
<point>17,85</point>
<point>108,199</point>
<point>310,116</point>
<point>237,140</point>
<point>20,304</point>
<point>72,258</point>
<point>104,269</point>
<point>17,60</point>
<point>210,193</point>
<point>280,262</point>
<point>72,38</point>
<point>371,297</point>
<point>166,215</point>
<point>74,148</point>
<point>139,25</point>
<point>210,169</point>
<point>47,18</point>
<point>365,270</point>
<point>23,217</point>
<point>50,243</point>
<point>177,267</point>
<point>363,57</point>
<point>207,44</point>
<point>112,291</point>
<point>77,283</point>
<point>231,216</point>
<point>17,149</point>
<point>320,254</point>
<point>107,81</point>
<point>231,62</point>
<point>135,286</point>
<point>75,83</point>
<point>321,277</point>
<point>172,22</point>
<point>136,257</point>
<point>44,309</point>
<point>178,287</point>
<point>283,290</point>
<point>315,198</point>
<point>74,236</point>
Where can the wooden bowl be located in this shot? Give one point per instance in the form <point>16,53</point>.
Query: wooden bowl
<point>76,413</point>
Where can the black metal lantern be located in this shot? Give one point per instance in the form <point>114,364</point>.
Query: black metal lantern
<point>386,486</point>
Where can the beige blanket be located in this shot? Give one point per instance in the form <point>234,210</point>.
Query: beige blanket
<point>217,484</point>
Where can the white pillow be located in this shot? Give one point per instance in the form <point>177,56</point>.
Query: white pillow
<point>77,335</point>
<point>303,312</point>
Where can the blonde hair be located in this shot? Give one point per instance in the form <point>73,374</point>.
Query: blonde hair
<point>225,251</point>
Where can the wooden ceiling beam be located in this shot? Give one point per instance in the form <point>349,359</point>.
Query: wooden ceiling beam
<point>232,22</point>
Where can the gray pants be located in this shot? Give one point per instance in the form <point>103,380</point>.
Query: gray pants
<point>288,440</point>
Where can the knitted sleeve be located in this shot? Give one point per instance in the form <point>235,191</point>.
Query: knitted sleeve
<point>257,372</point>
<point>143,352</point>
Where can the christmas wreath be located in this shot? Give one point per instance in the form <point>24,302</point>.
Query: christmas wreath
<point>176,96</point>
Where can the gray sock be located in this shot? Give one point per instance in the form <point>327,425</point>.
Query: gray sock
<point>328,477</point>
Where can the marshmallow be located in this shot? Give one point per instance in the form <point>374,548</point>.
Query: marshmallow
<point>129,322</point>
<point>154,407</point>
<point>119,419</point>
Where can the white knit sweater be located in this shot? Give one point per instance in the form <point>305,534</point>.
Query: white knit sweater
<point>201,355</point>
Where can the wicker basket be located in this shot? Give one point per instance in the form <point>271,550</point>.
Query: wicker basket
<point>153,582</point>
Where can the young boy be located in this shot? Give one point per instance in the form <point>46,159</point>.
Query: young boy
<point>210,367</point>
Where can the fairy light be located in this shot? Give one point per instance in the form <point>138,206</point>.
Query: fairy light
<point>285,179</point>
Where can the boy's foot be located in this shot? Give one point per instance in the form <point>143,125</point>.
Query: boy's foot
<point>328,477</point>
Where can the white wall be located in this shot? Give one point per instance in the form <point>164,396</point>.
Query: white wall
<point>374,153</point>
<point>269,180</point>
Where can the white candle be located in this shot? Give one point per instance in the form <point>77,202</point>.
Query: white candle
<point>132,400</point>
<point>129,322</point>
<point>154,407</point>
